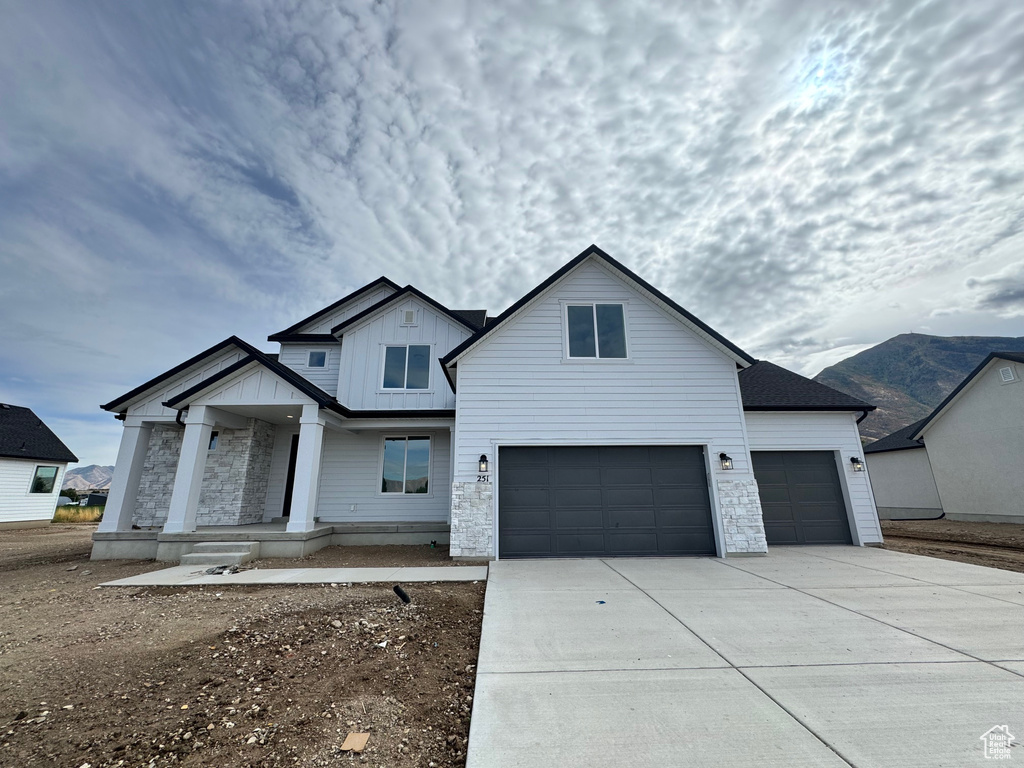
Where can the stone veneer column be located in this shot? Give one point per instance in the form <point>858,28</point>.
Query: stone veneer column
<point>742,520</point>
<point>472,520</point>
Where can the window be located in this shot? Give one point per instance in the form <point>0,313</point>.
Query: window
<point>406,465</point>
<point>596,330</point>
<point>44,480</point>
<point>407,367</point>
<point>214,437</point>
<point>316,359</point>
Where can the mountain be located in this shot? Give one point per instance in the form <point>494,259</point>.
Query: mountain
<point>92,476</point>
<point>910,374</point>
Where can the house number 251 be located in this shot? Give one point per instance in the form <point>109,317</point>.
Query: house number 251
<point>483,478</point>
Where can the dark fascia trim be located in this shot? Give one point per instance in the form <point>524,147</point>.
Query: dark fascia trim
<point>593,250</point>
<point>70,458</point>
<point>290,330</point>
<point>205,383</point>
<point>417,414</point>
<point>113,404</point>
<point>406,291</point>
<point>809,407</point>
<point>303,338</point>
<point>447,373</point>
<point>1012,357</point>
<point>869,452</point>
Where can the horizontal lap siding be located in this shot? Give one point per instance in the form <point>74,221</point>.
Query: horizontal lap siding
<point>362,359</point>
<point>350,474</point>
<point>804,431</point>
<point>295,356</point>
<point>674,388</point>
<point>16,503</point>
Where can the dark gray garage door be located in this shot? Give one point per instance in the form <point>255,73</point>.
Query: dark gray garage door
<point>603,501</point>
<point>801,498</point>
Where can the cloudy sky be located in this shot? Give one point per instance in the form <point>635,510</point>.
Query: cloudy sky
<point>809,178</point>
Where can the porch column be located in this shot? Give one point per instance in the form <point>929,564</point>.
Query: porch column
<point>188,480</point>
<point>306,487</point>
<point>124,486</point>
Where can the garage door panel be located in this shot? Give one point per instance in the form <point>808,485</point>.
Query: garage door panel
<point>581,517</point>
<point>801,497</point>
<point>606,500</point>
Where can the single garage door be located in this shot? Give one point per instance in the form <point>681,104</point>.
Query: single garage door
<point>801,498</point>
<point>584,501</point>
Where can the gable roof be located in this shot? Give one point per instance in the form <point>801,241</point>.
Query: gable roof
<point>406,291</point>
<point>115,404</point>
<point>765,386</point>
<point>291,332</point>
<point>727,346</point>
<point>897,441</point>
<point>1013,357</point>
<point>24,436</point>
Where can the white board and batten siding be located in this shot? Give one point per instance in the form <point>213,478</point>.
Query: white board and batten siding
<point>520,388</point>
<point>821,431</point>
<point>252,385</point>
<point>350,475</point>
<point>150,404</point>
<point>17,505</point>
<point>362,358</point>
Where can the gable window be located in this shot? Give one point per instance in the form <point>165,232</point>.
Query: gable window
<point>406,467</point>
<point>214,438</point>
<point>317,359</point>
<point>596,330</point>
<point>44,480</point>
<point>407,367</point>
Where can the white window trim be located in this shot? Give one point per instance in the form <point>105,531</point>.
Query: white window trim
<point>35,473</point>
<point>566,358</point>
<point>381,390</point>
<point>1013,372</point>
<point>430,435</point>
<point>327,360</point>
<point>415,317</point>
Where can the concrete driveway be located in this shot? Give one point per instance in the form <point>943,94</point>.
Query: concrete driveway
<point>825,656</point>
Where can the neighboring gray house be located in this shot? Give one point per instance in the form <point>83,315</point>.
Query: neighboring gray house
<point>975,443</point>
<point>593,417</point>
<point>32,464</point>
<point>901,477</point>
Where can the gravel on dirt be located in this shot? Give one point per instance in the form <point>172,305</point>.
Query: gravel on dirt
<point>225,676</point>
<point>996,545</point>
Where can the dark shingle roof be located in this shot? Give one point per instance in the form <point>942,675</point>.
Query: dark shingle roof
<point>24,436</point>
<point>475,317</point>
<point>897,441</point>
<point>765,386</point>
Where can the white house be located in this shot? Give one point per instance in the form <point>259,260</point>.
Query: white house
<point>595,416</point>
<point>901,477</point>
<point>32,464</point>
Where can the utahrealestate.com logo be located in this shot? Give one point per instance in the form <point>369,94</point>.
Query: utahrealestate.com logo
<point>997,741</point>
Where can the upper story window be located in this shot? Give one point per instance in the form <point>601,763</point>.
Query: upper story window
<point>596,330</point>
<point>317,359</point>
<point>44,480</point>
<point>407,366</point>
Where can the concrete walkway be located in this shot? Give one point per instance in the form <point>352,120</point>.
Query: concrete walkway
<point>188,575</point>
<point>825,656</point>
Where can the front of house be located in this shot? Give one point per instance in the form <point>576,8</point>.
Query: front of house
<point>594,417</point>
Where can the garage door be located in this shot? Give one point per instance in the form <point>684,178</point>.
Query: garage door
<point>801,498</point>
<point>586,501</point>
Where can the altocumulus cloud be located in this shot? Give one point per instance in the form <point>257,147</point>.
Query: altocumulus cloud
<point>807,177</point>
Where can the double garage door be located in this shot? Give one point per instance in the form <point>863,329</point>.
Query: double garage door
<point>591,501</point>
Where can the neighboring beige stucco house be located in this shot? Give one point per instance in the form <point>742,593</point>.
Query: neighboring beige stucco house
<point>901,477</point>
<point>975,443</point>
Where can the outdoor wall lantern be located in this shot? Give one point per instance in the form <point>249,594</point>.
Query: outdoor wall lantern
<point>483,463</point>
<point>726,461</point>
<point>857,464</point>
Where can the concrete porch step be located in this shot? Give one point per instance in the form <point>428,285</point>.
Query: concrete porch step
<point>222,553</point>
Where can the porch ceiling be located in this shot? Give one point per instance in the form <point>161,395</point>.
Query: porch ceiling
<point>275,414</point>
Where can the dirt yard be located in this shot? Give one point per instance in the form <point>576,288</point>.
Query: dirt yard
<point>227,676</point>
<point>997,545</point>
